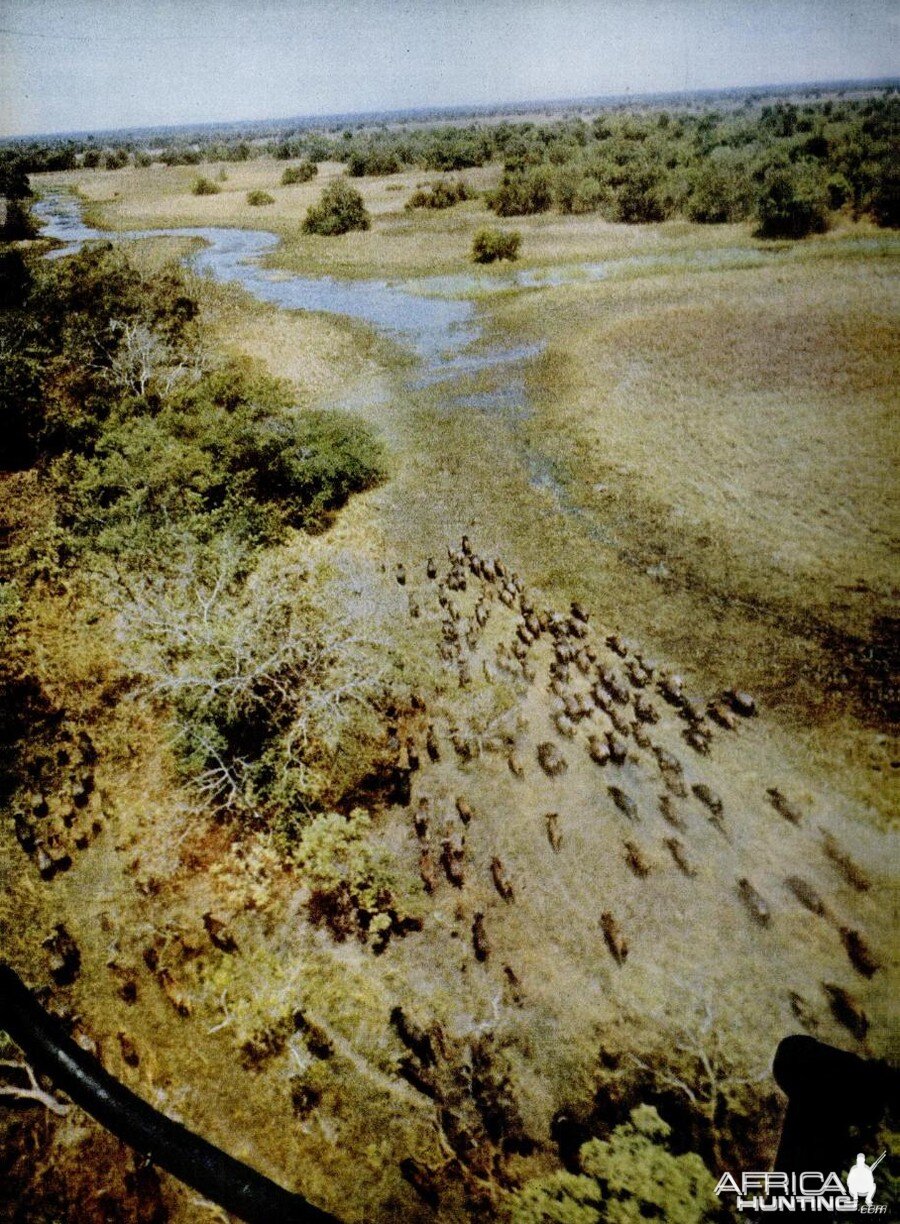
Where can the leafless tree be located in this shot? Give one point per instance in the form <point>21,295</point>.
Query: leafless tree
<point>287,641</point>
<point>700,1061</point>
<point>142,358</point>
<point>32,1091</point>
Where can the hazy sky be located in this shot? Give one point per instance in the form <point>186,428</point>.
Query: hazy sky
<point>94,64</point>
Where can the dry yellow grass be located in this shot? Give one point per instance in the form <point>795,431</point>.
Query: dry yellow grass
<point>739,422</point>
<point>325,358</point>
<point>756,408</point>
<point>400,243</point>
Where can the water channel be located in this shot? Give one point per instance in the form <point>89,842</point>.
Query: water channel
<point>437,319</point>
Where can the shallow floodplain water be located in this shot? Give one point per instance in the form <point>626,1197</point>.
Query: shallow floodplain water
<point>437,319</point>
<point>439,328</point>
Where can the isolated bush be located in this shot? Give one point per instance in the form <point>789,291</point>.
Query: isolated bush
<point>301,173</point>
<point>440,195</point>
<point>489,245</point>
<point>339,210</point>
<point>204,186</point>
<point>630,1177</point>
<point>258,198</point>
<point>792,202</point>
<point>352,886</point>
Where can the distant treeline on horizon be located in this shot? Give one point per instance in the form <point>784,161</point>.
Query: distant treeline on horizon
<point>789,159</point>
<point>678,99</point>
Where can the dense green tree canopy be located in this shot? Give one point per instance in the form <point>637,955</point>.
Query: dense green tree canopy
<point>627,1179</point>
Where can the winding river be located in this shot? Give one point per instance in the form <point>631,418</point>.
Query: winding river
<point>436,319</point>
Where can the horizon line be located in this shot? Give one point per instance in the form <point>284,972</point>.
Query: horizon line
<point>312,119</point>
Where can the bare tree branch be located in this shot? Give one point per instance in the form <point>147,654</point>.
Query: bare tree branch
<point>300,651</point>
<point>34,1092</point>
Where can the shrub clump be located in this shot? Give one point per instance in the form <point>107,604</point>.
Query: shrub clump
<point>643,191</point>
<point>225,451</point>
<point>302,173</point>
<point>523,192</point>
<point>258,198</point>
<point>16,222</point>
<point>884,197</point>
<point>629,1177</point>
<point>578,191</point>
<point>489,245</point>
<point>793,202</point>
<point>204,186</point>
<point>352,887</point>
<point>272,673</point>
<point>440,195</point>
<point>371,161</point>
<point>79,335</point>
<point>105,386</point>
<point>170,478</point>
<point>721,190</point>
<point>340,209</point>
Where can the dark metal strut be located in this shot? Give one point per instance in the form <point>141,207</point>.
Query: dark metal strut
<point>171,1146</point>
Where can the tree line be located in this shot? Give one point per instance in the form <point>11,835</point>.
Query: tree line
<point>173,475</point>
<point>788,164</point>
